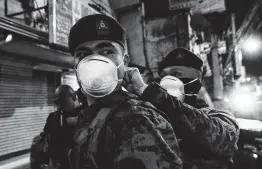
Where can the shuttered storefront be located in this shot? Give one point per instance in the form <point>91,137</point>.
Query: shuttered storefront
<point>25,102</point>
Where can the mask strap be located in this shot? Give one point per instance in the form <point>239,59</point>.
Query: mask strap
<point>120,64</point>
<point>190,94</point>
<point>190,82</point>
<point>120,80</point>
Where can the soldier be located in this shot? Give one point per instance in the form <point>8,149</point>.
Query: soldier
<point>52,144</point>
<point>209,136</point>
<point>116,130</point>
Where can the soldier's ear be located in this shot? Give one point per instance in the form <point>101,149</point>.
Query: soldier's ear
<point>126,59</point>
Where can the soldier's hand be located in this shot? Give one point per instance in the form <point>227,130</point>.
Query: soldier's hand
<point>133,81</point>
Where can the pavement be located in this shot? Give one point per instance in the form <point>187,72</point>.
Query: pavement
<point>20,162</point>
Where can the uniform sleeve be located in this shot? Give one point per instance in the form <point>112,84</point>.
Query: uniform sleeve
<point>215,130</point>
<point>147,141</point>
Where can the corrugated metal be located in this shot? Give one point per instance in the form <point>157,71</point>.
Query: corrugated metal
<point>25,102</point>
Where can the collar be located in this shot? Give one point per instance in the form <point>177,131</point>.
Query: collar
<point>115,98</point>
<point>112,100</point>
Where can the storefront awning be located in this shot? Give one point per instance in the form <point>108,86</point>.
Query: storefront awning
<point>41,53</point>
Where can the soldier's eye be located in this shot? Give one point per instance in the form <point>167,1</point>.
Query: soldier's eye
<point>162,74</point>
<point>178,74</point>
<point>106,52</point>
<point>81,55</point>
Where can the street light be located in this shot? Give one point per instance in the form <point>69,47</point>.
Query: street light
<point>251,45</point>
<point>7,39</point>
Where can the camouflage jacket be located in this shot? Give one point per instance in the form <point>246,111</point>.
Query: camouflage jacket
<point>136,135</point>
<point>208,136</point>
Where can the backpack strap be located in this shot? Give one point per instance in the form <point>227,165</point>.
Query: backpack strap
<point>89,137</point>
<point>96,126</point>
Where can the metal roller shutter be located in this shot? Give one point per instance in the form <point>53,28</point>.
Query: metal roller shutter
<point>25,102</point>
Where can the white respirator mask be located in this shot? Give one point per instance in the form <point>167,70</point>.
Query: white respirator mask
<point>174,87</point>
<point>97,75</point>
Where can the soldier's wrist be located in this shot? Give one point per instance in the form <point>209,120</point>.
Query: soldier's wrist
<point>142,89</point>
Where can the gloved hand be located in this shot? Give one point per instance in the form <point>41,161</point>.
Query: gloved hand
<point>133,81</point>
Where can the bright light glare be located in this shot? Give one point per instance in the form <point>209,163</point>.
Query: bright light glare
<point>248,79</point>
<point>252,45</point>
<point>226,99</point>
<point>245,88</point>
<point>243,101</point>
<point>248,124</point>
<point>255,156</point>
<point>9,38</point>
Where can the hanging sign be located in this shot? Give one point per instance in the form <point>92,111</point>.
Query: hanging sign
<point>62,15</point>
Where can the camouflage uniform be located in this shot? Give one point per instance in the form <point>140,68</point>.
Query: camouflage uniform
<point>136,135</point>
<point>208,136</point>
